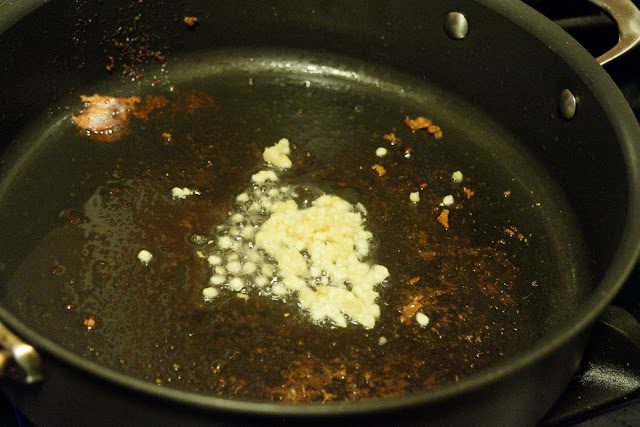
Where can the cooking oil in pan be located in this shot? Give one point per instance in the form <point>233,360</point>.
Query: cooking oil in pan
<point>467,289</point>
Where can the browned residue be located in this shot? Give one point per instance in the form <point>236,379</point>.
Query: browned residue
<point>418,123</point>
<point>435,131</point>
<point>380,170</point>
<point>190,21</point>
<point>468,192</point>
<point>410,309</point>
<point>514,232</point>
<point>149,104</point>
<point>89,321</point>
<point>424,123</point>
<point>195,101</point>
<point>392,138</point>
<point>443,218</point>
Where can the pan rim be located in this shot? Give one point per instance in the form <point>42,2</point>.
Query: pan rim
<point>625,127</point>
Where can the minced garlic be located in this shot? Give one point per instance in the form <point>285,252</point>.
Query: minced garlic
<point>316,255</point>
<point>414,197</point>
<point>278,154</point>
<point>422,319</point>
<point>145,256</point>
<point>181,193</point>
<point>332,236</point>
<point>264,176</point>
<point>447,200</point>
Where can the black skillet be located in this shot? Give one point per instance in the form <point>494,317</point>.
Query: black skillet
<point>333,78</point>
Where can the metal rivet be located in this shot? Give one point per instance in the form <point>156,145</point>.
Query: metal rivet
<point>456,25</point>
<point>567,104</point>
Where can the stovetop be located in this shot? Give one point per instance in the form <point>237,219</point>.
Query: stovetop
<point>606,392</point>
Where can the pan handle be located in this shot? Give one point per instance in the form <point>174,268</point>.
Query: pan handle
<point>18,360</point>
<point>627,18</point>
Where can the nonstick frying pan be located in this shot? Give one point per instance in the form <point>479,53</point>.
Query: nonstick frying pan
<point>539,240</point>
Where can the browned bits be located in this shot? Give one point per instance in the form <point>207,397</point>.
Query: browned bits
<point>507,193</point>
<point>435,131</point>
<point>89,321</point>
<point>190,20</point>
<point>392,138</point>
<point>424,123</point>
<point>380,170</point>
<point>408,151</point>
<point>414,280</point>
<point>150,103</point>
<point>167,136</point>
<point>468,192</point>
<point>513,231</point>
<point>111,63</point>
<point>418,123</point>
<point>443,218</point>
<point>424,185</point>
<point>410,309</point>
<point>58,270</point>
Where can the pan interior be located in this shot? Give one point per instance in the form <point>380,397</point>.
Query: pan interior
<point>75,212</point>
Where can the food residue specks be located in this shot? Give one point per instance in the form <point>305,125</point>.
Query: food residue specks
<point>381,151</point>
<point>414,196</point>
<point>457,177</point>
<point>145,256</point>
<point>317,254</point>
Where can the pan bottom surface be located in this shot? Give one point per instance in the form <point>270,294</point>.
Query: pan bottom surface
<point>76,211</point>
